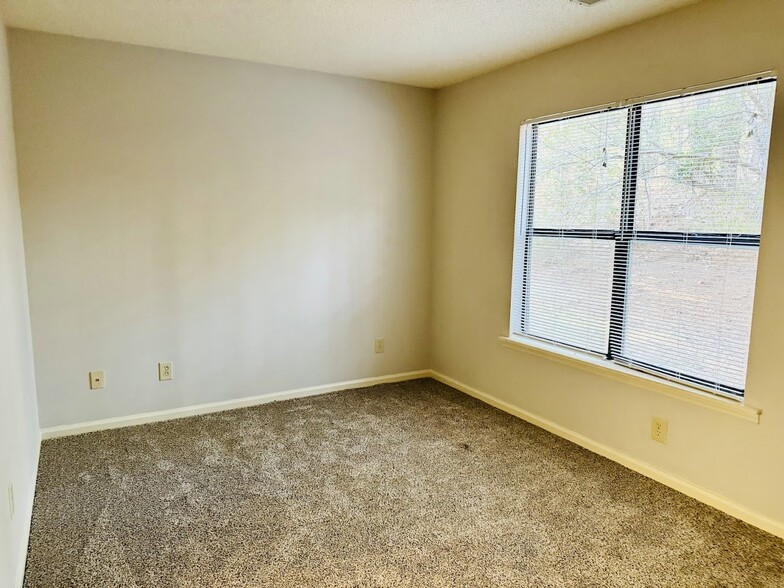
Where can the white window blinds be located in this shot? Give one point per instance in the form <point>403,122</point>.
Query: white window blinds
<point>638,229</point>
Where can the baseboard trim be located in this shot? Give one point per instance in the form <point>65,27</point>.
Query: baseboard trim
<point>689,489</point>
<point>21,565</point>
<point>188,411</point>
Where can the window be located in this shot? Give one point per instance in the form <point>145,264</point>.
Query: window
<point>638,229</point>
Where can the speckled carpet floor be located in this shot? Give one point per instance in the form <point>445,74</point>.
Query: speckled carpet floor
<point>410,484</point>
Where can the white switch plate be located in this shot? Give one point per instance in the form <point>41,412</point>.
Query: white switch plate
<point>165,371</point>
<point>96,380</point>
<point>379,346</point>
<point>11,505</point>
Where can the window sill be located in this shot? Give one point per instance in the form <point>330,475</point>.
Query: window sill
<point>590,363</point>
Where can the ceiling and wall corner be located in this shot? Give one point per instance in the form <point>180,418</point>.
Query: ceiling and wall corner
<point>430,43</point>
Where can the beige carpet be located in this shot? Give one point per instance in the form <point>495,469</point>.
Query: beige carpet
<point>410,484</point>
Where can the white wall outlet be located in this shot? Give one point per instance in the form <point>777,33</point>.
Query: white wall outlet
<point>165,371</point>
<point>96,380</point>
<point>659,430</point>
<point>11,505</point>
<point>379,346</point>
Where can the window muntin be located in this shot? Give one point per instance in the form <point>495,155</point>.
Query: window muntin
<point>639,229</point>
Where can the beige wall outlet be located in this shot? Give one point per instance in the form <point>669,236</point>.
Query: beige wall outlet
<point>96,380</point>
<point>659,430</point>
<point>165,371</point>
<point>379,346</point>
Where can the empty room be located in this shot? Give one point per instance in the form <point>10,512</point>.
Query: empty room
<point>391,293</point>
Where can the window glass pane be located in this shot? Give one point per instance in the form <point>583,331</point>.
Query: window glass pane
<point>579,172</point>
<point>689,309</point>
<point>703,160</point>
<point>570,290</point>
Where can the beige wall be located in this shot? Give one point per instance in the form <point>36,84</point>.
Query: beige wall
<point>476,159</point>
<point>19,435</point>
<point>257,226</point>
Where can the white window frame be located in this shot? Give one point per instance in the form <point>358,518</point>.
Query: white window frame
<point>656,379</point>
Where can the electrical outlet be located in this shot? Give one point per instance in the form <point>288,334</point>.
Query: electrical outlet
<point>165,371</point>
<point>379,346</point>
<point>96,380</point>
<point>11,506</point>
<point>659,430</point>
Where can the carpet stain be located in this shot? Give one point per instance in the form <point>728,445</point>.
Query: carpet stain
<point>407,484</point>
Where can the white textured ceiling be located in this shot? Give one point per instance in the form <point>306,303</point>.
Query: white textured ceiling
<point>430,43</point>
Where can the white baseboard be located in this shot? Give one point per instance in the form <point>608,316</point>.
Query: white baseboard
<point>28,519</point>
<point>703,495</point>
<point>178,413</point>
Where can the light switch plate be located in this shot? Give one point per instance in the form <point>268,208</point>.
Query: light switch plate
<point>96,380</point>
